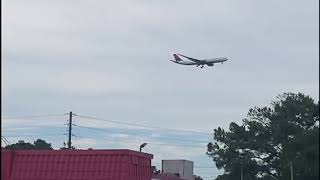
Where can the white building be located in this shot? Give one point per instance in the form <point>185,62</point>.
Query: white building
<point>182,168</point>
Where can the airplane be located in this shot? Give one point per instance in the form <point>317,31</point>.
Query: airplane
<point>185,60</point>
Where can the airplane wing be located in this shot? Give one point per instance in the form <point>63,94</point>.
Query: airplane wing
<point>192,59</point>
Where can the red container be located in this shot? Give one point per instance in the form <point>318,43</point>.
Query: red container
<point>75,165</point>
<point>5,164</point>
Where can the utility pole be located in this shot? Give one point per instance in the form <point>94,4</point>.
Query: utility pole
<point>291,170</point>
<point>70,127</point>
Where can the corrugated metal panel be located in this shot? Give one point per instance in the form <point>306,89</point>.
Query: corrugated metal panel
<point>78,165</point>
<point>5,164</point>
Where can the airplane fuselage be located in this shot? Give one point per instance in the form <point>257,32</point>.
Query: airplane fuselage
<point>184,60</point>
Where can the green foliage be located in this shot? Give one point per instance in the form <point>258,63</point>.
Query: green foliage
<point>154,170</point>
<point>20,145</point>
<point>269,139</point>
<point>38,144</point>
<point>41,144</point>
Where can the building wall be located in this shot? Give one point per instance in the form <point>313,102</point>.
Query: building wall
<point>188,173</point>
<point>182,167</point>
<point>75,165</point>
<point>5,164</point>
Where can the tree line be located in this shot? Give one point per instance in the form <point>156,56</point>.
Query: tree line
<point>279,142</point>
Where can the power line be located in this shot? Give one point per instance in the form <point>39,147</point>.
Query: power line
<point>118,122</point>
<point>134,134</point>
<point>5,140</point>
<point>31,135</point>
<point>36,116</point>
<point>151,143</point>
<point>35,126</point>
<point>140,125</point>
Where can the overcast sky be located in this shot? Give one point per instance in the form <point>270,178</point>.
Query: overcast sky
<point>110,59</point>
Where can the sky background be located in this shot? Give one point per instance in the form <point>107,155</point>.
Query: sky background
<point>110,60</point>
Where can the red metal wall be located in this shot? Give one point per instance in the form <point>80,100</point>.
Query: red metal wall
<point>75,165</point>
<point>5,164</point>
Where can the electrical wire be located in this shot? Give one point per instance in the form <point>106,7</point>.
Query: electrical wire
<point>36,116</point>
<point>151,143</point>
<point>34,126</point>
<point>134,134</point>
<point>5,140</point>
<point>118,122</point>
<point>31,135</point>
<point>139,125</point>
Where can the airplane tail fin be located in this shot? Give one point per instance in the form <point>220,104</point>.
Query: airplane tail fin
<point>176,57</point>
